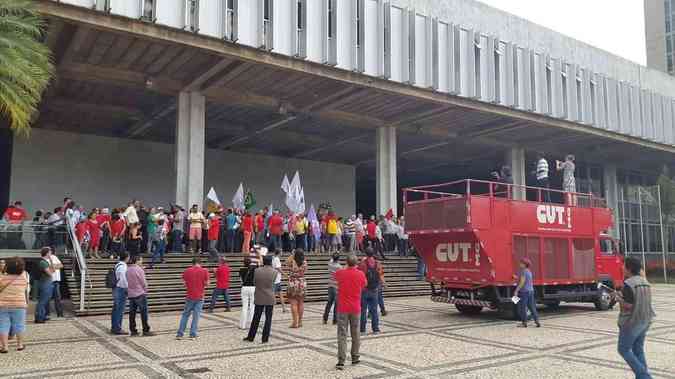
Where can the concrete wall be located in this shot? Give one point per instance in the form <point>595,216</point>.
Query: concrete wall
<point>101,171</point>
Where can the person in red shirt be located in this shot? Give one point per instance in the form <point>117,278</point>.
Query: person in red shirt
<point>222,274</point>
<point>117,229</point>
<point>213,234</point>
<point>259,227</point>
<point>82,234</point>
<point>103,219</point>
<point>94,234</point>
<point>196,279</point>
<point>15,214</point>
<point>247,229</point>
<point>350,283</point>
<point>275,225</point>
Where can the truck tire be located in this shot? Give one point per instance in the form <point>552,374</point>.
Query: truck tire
<point>468,309</point>
<point>507,311</point>
<point>604,301</point>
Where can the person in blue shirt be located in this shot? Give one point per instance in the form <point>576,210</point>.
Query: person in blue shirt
<point>231,230</point>
<point>525,291</point>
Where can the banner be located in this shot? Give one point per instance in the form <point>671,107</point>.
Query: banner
<point>314,223</point>
<point>212,203</point>
<point>249,201</point>
<point>238,199</point>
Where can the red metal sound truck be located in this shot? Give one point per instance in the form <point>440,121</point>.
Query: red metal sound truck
<point>472,234</point>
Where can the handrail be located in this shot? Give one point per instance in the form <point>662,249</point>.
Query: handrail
<point>79,256</point>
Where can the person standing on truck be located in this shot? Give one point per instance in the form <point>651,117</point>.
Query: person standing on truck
<point>569,184</point>
<point>370,295</point>
<point>541,173</point>
<point>635,318</point>
<point>525,291</point>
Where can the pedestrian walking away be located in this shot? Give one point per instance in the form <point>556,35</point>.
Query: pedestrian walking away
<point>120,294</point>
<point>14,289</point>
<point>45,285</point>
<point>246,274</point>
<point>350,283</point>
<point>635,318</point>
<point>525,291</point>
<point>137,291</point>
<point>196,279</point>
<point>222,274</point>
<point>372,269</point>
<point>263,279</point>
<point>57,266</point>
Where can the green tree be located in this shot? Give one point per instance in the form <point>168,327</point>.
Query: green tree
<point>667,185</point>
<point>25,63</point>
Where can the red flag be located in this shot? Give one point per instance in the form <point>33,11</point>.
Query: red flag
<point>390,214</point>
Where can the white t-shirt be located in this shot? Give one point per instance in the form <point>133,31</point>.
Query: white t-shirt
<point>276,264</point>
<point>54,260</point>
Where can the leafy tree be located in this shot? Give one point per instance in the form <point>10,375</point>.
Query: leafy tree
<point>667,185</point>
<point>25,63</point>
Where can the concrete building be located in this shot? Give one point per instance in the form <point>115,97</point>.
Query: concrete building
<point>659,34</point>
<point>160,100</point>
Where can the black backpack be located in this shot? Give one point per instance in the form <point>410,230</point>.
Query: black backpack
<point>373,277</point>
<point>111,277</point>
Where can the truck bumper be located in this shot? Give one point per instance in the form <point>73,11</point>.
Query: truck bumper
<point>453,300</point>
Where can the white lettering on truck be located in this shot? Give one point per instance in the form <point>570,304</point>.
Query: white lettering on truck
<point>454,251</point>
<point>553,214</point>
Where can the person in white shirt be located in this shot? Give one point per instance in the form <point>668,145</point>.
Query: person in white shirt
<point>542,177</point>
<point>120,294</point>
<point>402,237</point>
<point>130,214</point>
<point>56,283</point>
<point>276,265</point>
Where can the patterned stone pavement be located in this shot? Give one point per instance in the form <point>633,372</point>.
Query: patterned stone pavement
<point>420,339</point>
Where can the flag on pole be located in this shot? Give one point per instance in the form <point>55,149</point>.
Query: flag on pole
<point>390,214</point>
<point>294,193</point>
<point>301,201</point>
<point>238,199</point>
<point>213,203</point>
<point>285,184</point>
<point>314,223</point>
<point>249,201</point>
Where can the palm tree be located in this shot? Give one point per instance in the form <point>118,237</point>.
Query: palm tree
<point>25,63</point>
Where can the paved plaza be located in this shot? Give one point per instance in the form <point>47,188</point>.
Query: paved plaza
<point>420,339</point>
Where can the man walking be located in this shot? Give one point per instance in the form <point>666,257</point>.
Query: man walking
<point>350,283</point>
<point>137,291</point>
<point>370,296</point>
<point>45,285</point>
<point>222,285</point>
<point>196,279</point>
<point>264,299</point>
<point>120,294</point>
<point>57,266</point>
<point>635,318</point>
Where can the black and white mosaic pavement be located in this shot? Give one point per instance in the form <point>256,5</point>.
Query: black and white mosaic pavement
<point>420,339</point>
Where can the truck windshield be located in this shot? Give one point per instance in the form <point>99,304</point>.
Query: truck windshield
<point>606,247</point>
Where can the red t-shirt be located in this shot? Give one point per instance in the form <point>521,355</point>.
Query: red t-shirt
<point>214,229</point>
<point>102,219</point>
<point>80,230</point>
<point>247,224</point>
<point>275,225</point>
<point>117,228</point>
<point>94,229</point>
<point>260,222</point>
<point>370,228</point>
<point>350,282</point>
<point>195,278</point>
<point>15,215</point>
<point>223,276</point>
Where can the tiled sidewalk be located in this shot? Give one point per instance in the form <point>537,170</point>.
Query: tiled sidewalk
<point>420,339</point>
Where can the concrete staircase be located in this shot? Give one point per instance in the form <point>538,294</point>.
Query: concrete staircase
<point>166,290</point>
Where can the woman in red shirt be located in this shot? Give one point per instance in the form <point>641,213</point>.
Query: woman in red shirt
<point>213,234</point>
<point>117,229</point>
<point>247,229</point>
<point>94,234</point>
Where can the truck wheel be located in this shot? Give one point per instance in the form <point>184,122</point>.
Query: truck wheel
<point>507,311</point>
<point>604,301</point>
<point>468,309</point>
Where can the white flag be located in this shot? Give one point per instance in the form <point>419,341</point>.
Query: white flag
<point>301,201</point>
<point>293,198</point>
<point>213,196</point>
<point>285,185</point>
<point>238,199</point>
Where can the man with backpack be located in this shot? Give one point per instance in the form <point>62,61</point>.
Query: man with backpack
<point>116,279</point>
<point>370,295</point>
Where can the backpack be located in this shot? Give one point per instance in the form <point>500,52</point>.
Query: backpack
<point>111,277</point>
<point>332,226</point>
<point>373,277</point>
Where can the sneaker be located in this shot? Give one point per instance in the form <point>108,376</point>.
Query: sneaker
<point>119,333</point>
<point>356,362</point>
<point>376,332</point>
<point>133,334</point>
<point>179,338</point>
<point>325,322</point>
<point>522,325</point>
<point>193,338</point>
<point>248,339</point>
<point>384,313</point>
<point>538,324</point>
<point>340,366</point>
<point>334,322</point>
<point>148,334</point>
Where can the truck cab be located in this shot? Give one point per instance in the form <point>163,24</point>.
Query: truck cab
<point>472,234</point>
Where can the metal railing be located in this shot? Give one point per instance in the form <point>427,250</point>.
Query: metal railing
<point>79,258</point>
<point>32,236</point>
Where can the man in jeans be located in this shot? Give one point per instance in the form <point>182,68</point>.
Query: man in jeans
<point>370,296</point>
<point>45,285</point>
<point>177,231</point>
<point>120,294</point>
<point>222,274</point>
<point>56,284</point>
<point>350,284</point>
<point>333,266</point>
<point>137,291</point>
<point>196,279</point>
<point>264,299</point>
<point>635,318</point>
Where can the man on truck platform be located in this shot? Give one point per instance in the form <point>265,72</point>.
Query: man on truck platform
<point>635,318</point>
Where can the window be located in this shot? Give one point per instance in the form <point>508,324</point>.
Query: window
<point>549,88</point>
<point>477,47</point>
<point>606,247</point>
<point>593,103</point>
<point>580,99</point>
<point>565,103</point>
<point>498,74</point>
<point>583,258</point>
<point>330,18</point>
<point>358,23</point>
<point>556,258</point>
<point>230,25</point>
<point>192,15</point>
<point>300,32</point>
<point>300,16</point>
<point>267,31</point>
<point>148,10</point>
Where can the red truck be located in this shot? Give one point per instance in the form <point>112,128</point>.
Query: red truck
<point>472,234</point>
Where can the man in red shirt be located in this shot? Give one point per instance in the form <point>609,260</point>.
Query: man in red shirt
<point>350,282</point>
<point>275,224</point>
<point>15,214</point>
<point>222,274</point>
<point>196,279</point>
<point>213,234</point>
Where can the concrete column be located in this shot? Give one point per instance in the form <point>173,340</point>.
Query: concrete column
<point>386,181</point>
<point>612,195</point>
<point>190,149</point>
<point>515,157</point>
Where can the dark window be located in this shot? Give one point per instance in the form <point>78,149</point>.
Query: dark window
<point>266,10</point>
<point>300,26</point>
<point>358,22</point>
<point>230,4</point>
<point>606,247</point>
<point>330,18</point>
